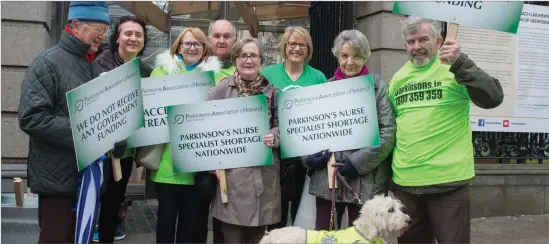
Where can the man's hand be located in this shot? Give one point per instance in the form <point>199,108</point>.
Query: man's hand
<point>450,51</point>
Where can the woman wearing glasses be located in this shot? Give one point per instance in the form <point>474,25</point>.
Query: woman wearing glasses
<point>253,192</point>
<point>296,47</point>
<point>176,193</point>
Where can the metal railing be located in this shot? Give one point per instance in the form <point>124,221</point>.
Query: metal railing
<point>505,146</point>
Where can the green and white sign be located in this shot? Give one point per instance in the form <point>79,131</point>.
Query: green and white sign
<point>162,91</point>
<point>105,110</point>
<point>339,115</point>
<point>219,134</point>
<point>500,16</point>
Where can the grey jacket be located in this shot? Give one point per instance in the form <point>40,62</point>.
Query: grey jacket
<point>43,115</point>
<point>371,163</point>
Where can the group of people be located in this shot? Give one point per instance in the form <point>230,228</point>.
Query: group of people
<point>423,117</point>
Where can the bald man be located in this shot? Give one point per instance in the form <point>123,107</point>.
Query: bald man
<point>222,36</point>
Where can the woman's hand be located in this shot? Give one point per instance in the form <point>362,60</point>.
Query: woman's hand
<point>269,140</point>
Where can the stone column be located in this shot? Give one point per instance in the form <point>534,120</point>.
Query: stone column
<point>382,28</point>
<point>26,28</point>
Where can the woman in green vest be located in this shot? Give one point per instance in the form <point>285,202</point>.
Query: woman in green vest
<point>296,47</point>
<point>177,196</point>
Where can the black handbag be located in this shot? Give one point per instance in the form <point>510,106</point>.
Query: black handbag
<point>287,179</point>
<point>205,184</point>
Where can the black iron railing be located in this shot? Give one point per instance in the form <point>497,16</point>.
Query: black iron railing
<point>328,19</point>
<point>505,146</point>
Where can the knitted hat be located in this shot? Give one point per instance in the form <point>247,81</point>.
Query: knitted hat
<point>95,11</point>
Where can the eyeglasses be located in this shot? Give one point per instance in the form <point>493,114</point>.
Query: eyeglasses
<point>98,30</point>
<point>292,45</point>
<point>244,57</point>
<point>195,44</point>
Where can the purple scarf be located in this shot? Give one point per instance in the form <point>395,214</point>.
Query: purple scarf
<point>340,76</point>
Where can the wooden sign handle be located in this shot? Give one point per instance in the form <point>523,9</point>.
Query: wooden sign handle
<point>223,185</point>
<point>116,169</point>
<point>451,35</point>
<point>331,171</point>
<point>19,189</point>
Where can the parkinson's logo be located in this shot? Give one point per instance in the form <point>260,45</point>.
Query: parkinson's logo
<point>288,104</point>
<point>78,105</point>
<point>178,119</point>
<point>291,87</point>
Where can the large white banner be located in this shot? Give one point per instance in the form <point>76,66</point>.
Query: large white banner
<point>521,63</point>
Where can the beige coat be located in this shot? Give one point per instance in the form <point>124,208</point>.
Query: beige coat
<point>254,192</point>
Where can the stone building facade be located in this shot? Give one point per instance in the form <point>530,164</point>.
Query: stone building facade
<point>29,28</point>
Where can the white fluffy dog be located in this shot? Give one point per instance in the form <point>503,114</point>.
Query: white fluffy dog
<point>381,220</point>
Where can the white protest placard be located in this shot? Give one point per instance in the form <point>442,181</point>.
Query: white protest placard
<point>105,110</point>
<point>220,134</point>
<point>501,16</point>
<point>339,115</point>
<point>162,91</point>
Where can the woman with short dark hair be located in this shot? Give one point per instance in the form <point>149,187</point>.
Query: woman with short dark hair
<point>126,42</point>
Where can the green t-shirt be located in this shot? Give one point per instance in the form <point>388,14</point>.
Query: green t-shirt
<point>433,138</point>
<point>224,73</point>
<point>280,79</point>
<point>164,174</point>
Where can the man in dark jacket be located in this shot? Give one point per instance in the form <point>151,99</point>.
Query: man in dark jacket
<point>43,115</point>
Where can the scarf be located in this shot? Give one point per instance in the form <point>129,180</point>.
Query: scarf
<point>89,56</point>
<point>188,67</point>
<point>340,76</point>
<point>250,88</point>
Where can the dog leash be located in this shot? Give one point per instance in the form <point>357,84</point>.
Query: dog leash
<point>333,211</point>
<point>342,178</point>
<point>333,218</point>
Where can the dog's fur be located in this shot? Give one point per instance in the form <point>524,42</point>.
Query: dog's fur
<point>380,218</point>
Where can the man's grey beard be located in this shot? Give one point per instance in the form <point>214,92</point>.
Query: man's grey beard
<point>420,64</point>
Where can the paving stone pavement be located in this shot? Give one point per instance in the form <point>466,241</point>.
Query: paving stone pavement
<point>141,227</point>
